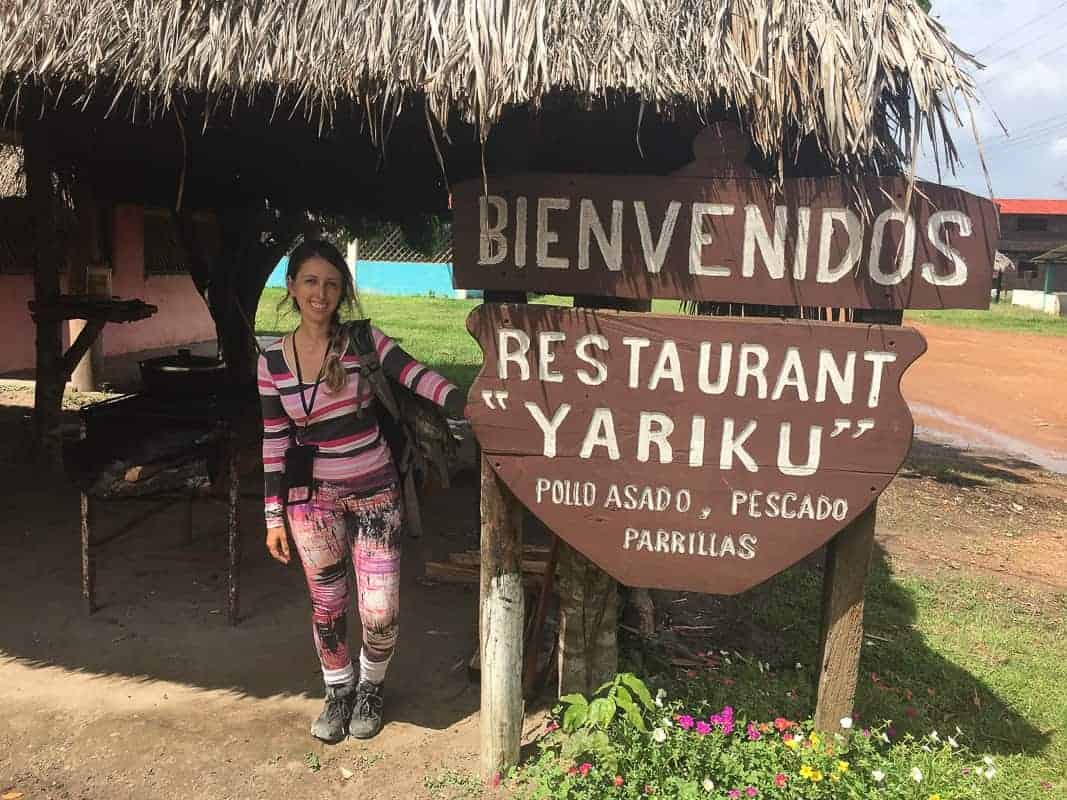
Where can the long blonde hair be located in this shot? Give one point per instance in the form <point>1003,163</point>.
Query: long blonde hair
<point>334,374</point>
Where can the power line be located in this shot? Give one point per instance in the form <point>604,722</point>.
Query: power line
<point>1013,31</point>
<point>1033,60</point>
<point>1004,56</point>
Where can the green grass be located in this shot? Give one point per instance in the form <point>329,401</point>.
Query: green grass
<point>1000,317</point>
<point>939,653</point>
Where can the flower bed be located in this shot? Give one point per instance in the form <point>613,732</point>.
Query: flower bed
<point>624,743</point>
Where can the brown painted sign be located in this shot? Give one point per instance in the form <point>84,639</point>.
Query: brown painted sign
<point>818,242</point>
<point>690,453</point>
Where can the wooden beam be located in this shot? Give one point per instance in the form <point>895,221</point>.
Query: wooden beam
<point>82,345</point>
<point>848,558</point>
<point>848,561</point>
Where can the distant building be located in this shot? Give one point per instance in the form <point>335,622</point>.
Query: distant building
<point>1029,228</point>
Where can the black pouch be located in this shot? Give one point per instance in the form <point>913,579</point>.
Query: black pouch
<point>298,480</point>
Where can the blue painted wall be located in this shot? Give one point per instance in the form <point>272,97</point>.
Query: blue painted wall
<point>390,277</point>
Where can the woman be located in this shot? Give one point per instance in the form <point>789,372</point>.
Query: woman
<point>313,393</point>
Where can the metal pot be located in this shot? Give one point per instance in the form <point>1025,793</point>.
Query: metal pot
<point>183,374</point>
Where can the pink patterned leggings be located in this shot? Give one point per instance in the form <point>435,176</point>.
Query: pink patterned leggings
<point>341,526</point>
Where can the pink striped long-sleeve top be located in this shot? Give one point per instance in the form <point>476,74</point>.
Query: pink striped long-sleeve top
<point>349,444</point>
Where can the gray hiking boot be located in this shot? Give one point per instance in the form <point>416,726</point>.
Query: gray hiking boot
<point>367,711</point>
<point>332,724</point>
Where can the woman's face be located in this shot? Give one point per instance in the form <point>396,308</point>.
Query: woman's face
<point>316,289</point>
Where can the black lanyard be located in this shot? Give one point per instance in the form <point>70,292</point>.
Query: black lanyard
<point>300,381</point>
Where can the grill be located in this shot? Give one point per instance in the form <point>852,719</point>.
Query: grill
<point>159,448</point>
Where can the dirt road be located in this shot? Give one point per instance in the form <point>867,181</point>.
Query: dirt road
<point>996,389</point>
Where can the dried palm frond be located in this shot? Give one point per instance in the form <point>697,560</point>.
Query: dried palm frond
<point>863,78</point>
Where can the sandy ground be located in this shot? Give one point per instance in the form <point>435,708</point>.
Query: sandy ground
<point>156,696</point>
<point>1003,391</point>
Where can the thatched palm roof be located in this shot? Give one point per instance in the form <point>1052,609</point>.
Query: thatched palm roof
<point>863,77</point>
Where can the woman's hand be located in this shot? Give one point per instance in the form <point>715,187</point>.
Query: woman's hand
<point>278,544</point>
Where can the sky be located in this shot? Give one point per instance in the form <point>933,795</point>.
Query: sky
<point>1023,44</point>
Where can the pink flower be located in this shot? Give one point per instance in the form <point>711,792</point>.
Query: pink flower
<point>495,780</point>
<point>733,794</point>
<point>787,737</point>
<point>618,780</point>
<point>753,733</point>
<point>782,724</point>
<point>685,722</point>
<point>703,728</point>
<point>551,725</point>
<point>780,779</point>
<point>584,768</point>
<point>751,791</point>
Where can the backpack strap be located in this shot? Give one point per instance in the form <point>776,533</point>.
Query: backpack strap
<point>370,366</point>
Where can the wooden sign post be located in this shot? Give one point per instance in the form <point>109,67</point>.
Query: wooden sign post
<point>703,453</point>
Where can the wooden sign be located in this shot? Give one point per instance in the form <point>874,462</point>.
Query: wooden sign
<point>690,453</point>
<point>818,242</point>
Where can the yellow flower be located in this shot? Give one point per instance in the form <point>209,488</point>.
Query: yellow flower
<point>792,744</point>
<point>835,778</point>
<point>935,797</point>
<point>842,766</point>
<point>814,739</point>
<point>805,771</point>
<point>816,776</point>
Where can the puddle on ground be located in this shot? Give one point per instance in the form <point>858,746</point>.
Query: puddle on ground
<point>967,435</point>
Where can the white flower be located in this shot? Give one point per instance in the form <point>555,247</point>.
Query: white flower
<point>989,773</point>
<point>798,665</point>
<point>953,743</point>
<point>884,737</point>
<point>878,776</point>
<point>660,696</point>
<point>916,774</point>
<point>709,785</point>
<point>934,737</point>
<point>988,760</point>
<point>666,722</point>
<point>659,735</point>
<point>846,722</point>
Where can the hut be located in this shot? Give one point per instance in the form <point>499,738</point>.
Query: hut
<point>274,116</point>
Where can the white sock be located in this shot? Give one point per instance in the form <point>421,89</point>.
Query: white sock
<point>373,671</point>
<point>336,677</point>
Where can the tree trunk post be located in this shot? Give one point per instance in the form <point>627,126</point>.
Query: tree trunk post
<point>49,378</point>
<point>588,596</point>
<point>502,600</point>
<point>848,559</point>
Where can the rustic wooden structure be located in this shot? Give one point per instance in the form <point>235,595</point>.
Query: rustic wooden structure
<point>171,105</point>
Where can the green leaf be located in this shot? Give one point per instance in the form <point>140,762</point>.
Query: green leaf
<point>602,711</point>
<point>575,716</point>
<point>629,707</point>
<point>604,686</point>
<point>574,699</point>
<point>639,688</point>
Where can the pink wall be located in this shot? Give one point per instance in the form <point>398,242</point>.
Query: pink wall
<point>17,341</point>
<point>182,317</point>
